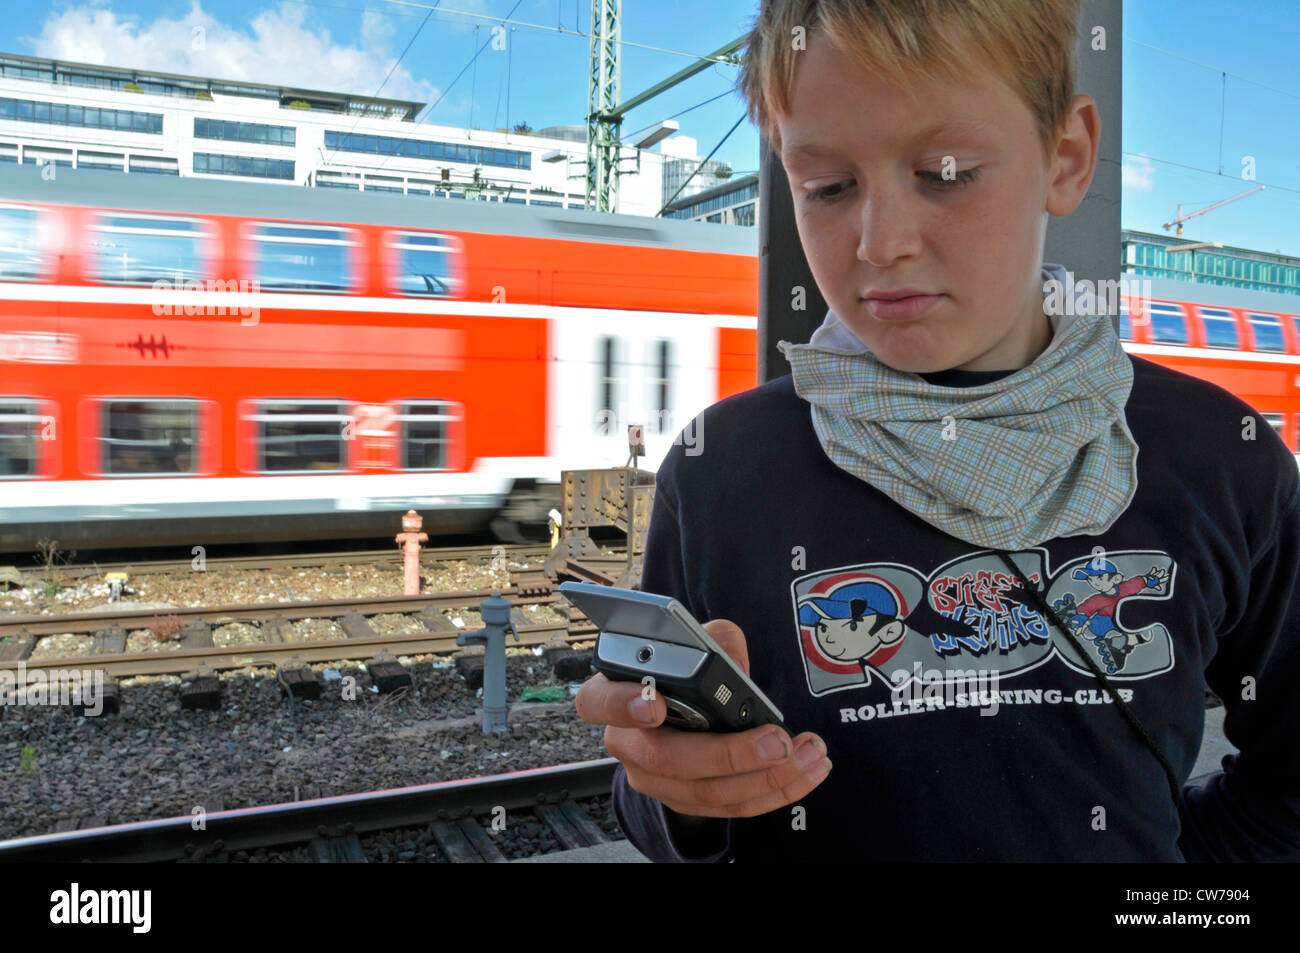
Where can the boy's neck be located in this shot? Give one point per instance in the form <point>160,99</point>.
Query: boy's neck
<point>1041,334</point>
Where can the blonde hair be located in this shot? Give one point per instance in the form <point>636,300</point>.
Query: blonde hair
<point>1029,44</point>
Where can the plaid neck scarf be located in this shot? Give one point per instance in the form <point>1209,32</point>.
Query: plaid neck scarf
<point>1041,453</point>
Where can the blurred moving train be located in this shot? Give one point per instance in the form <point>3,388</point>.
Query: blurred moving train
<point>184,361</point>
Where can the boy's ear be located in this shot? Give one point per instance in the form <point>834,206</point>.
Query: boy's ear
<point>1075,161</point>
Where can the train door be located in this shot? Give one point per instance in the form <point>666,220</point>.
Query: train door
<point>659,371</point>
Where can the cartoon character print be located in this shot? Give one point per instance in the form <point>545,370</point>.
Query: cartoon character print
<point>1094,618</point>
<point>886,621</point>
<point>857,623</point>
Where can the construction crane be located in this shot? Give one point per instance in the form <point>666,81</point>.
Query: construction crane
<point>1209,208</point>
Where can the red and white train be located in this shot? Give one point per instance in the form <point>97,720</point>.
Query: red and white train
<point>189,362</point>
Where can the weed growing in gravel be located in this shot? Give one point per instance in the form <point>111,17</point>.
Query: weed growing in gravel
<point>28,764</point>
<point>165,629</point>
<point>50,555</point>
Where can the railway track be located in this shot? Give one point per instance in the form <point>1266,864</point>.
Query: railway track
<point>298,560</point>
<point>435,634</point>
<point>464,817</point>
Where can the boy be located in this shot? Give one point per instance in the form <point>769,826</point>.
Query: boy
<point>952,454</point>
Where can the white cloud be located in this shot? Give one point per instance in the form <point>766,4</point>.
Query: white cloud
<point>1138,173</point>
<point>278,47</point>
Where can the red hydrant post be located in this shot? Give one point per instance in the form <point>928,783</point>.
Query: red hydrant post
<point>410,539</point>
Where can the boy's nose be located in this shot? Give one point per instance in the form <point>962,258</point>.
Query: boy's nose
<point>887,232</point>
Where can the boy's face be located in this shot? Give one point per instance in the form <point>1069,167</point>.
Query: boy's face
<point>888,221</point>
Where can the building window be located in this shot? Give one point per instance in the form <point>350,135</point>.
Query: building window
<point>423,149</point>
<point>62,114</point>
<point>21,255</point>
<point>59,157</point>
<point>1220,328</point>
<point>426,433</point>
<point>207,163</point>
<point>244,132</point>
<point>155,165</point>
<point>428,264</point>
<point>1267,329</point>
<point>19,419</point>
<point>302,257</point>
<point>150,437</point>
<point>337,180</point>
<point>101,160</point>
<point>300,436</point>
<point>139,250</point>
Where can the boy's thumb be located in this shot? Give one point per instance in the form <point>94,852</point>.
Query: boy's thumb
<point>728,635</point>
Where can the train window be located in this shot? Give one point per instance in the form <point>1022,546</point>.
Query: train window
<point>18,422</point>
<point>300,435</point>
<point>1268,332</point>
<point>302,257</point>
<point>1220,327</point>
<point>425,436</point>
<point>663,407</point>
<point>21,257</point>
<point>150,437</point>
<point>1276,421</point>
<point>139,250</point>
<point>1167,323</point>
<point>428,264</point>
<point>607,385</point>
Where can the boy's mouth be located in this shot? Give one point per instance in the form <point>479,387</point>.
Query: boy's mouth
<point>900,305</point>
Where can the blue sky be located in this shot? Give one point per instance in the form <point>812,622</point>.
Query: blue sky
<point>1186,128</point>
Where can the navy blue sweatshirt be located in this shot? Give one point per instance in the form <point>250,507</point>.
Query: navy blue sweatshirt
<point>1000,745</point>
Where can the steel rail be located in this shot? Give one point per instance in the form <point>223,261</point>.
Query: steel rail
<point>300,821</point>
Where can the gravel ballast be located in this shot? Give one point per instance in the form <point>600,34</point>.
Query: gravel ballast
<point>155,760</point>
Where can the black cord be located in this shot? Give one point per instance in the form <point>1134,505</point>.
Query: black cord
<point>1050,613</point>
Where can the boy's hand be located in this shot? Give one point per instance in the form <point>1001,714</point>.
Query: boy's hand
<point>705,774</point>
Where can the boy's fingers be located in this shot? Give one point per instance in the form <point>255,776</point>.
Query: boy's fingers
<point>746,795</point>
<point>765,804</point>
<point>728,635</point>
<point>691,755</point>
<point>619,704</point>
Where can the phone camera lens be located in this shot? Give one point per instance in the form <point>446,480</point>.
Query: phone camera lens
<point>644,654</point>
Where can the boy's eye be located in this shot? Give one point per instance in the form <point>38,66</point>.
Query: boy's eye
<point>829,193</point>
<point>962,178</point>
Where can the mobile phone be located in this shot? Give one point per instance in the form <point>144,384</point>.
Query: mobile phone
<point>654,640</point>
